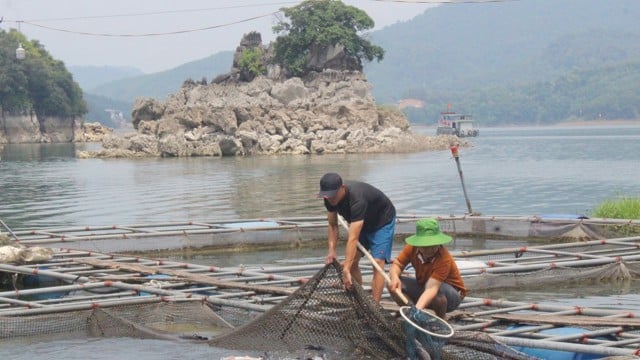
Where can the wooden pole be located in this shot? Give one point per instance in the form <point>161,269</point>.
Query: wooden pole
<point>454,152</point>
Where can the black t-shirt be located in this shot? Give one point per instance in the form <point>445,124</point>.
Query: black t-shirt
<point>364,201</point>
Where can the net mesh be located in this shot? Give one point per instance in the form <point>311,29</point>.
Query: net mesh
<point>166,320</point>
<point>554,275</point>
<point>319,317</point>
<point>322,316</point>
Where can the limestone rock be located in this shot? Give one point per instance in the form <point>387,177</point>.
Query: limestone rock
<point>328,111</point>
<point>94,132</point>
<point>26,127</point>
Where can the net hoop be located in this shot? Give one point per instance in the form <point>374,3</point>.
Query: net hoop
<point>443,324</point>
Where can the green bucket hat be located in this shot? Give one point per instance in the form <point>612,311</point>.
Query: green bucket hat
<point>428,234</point>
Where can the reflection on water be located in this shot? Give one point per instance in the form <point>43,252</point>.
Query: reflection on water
<point>506,171</point>
<point>37,152</point>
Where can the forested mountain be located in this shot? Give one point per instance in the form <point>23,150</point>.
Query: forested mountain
<point>488,58</point>
<point>526,61</point>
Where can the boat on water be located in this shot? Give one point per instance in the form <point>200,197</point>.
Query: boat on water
<point>453,123</point>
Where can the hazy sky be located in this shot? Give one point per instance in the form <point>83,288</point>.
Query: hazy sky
<point>57,24</point>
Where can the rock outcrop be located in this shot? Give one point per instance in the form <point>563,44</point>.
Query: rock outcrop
<point>331,111</point>
<point>94,132</point>
<point>28,128</point>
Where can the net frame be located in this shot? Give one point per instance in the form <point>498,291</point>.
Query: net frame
<point>435,325</point>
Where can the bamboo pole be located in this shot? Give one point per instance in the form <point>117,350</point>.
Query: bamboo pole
<point>578,320</point>
<point>512,250</point>
<point>51,289</point>
<point>547,307</point>
<point>551,265</point>
<point>20,302</point>
<point>570,347</point>
<point>133,231</point>
<point>157,295</point>
<point>197,278</point>
<point>9,230</point>
<point>193,227</point>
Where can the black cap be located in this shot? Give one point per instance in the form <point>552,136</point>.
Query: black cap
<point>329,185</point>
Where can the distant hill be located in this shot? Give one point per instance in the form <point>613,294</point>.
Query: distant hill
<point>89,77</point>
<point>457,47</point>
<point>117,88</point>
<point>159,85</point>
<point>526,61</point>
<point>98,110</point>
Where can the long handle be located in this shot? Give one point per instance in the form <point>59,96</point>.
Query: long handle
<point>373,261</point>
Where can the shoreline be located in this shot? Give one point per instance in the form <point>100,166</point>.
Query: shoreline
<point>571,123</point>
<point>598,123</point>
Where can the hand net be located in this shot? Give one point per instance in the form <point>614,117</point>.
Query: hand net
<point>322,317</point>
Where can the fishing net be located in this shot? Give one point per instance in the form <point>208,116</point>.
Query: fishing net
<point>620,271</point>
<point>165,320</point>
<point>322,317</point>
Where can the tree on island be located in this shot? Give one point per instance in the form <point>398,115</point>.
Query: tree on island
<point>318,25</point>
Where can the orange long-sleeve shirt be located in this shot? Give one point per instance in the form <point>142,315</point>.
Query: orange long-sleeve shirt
<point>442,267</point>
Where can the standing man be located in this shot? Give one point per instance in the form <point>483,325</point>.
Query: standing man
<point>437,284</point>
<point>372,220</point>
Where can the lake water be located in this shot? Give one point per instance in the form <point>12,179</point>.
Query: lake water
<point>507,171</point>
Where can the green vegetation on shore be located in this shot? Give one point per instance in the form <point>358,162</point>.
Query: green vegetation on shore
<point>621,208</point>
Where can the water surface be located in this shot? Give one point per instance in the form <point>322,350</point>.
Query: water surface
<point>507,171</point>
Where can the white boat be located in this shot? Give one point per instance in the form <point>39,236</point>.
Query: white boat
<point>460,125</point>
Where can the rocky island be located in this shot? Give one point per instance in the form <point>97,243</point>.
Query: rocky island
<point>330,110</point>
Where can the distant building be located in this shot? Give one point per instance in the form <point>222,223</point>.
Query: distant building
<point>414,103</point>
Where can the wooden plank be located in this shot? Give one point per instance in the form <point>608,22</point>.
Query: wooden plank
<point>578,320</point>
<point>185,275</point>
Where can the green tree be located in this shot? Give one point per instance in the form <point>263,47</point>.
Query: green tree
<point>317,24</point>
<point>37,83</point>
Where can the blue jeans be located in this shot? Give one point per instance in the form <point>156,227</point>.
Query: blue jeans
<point>411,287</point>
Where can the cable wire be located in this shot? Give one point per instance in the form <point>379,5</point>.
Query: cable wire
<point>445,1</point>
<point>149,34</point>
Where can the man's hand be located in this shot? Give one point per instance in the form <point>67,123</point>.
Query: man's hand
<point>331,257</point>
<point>420,317</point>
<point>346,279</point>
<point>394,285</point>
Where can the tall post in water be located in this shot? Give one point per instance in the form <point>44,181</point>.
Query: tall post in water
<point>456,157</point>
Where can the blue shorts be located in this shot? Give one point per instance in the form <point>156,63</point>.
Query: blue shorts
<point>380,242</point>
